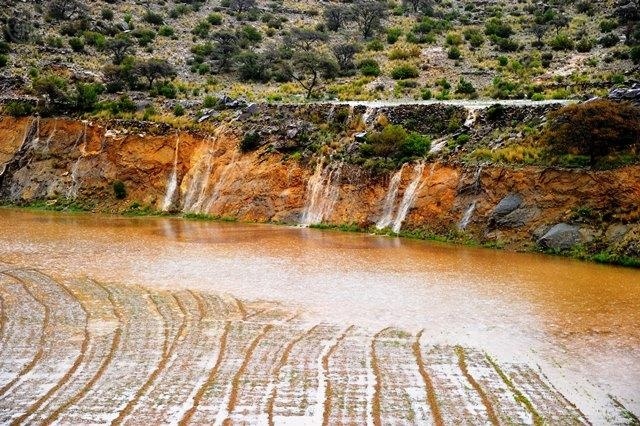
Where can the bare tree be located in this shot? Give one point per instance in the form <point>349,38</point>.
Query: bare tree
<point>154,69</point>
<point>308,67</point>
<point>344,53</point>
<point>335,16</point>
<point>369,15</point>
<point>120,47</point>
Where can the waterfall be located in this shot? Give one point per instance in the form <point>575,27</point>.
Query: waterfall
<point>200,175</point>
<point>388,207</point>
<point>468,214</point>
<point>172,184</point>
<point>36,139</point>
<point>331,113</point>
<point>409,197</point>
<point>222,180</point>
<point>51,135</point>
<point>323,190</point>
<point>27,142</point>
<point>368,114</point>
<point>472,116</point>
<point>200,178</point>
<point>72,192</point>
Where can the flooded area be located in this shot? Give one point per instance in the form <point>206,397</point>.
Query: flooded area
<point>568,330</point>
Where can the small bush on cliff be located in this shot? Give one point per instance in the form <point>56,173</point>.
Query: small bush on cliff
<point>119,190</point>
<point>250,141</point>
<point>395,142</point>
<point>594,129</point>
<point>18,109</point>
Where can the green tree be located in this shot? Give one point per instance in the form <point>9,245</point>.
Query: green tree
<point>309,67</point>
<point>368,15</point>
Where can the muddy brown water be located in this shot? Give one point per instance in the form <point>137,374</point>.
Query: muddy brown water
<point>579,322</point>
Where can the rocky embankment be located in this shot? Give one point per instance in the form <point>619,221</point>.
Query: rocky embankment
<point>289,179</point>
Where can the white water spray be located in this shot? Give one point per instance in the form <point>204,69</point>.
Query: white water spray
<point>172,184</point>
<point>72,192</point>
<point>323,191</point>
<point>225,176</point>
<point>468,215</point>
<point>409,197</point>
<point>368,115</point>
<point>388,207</point>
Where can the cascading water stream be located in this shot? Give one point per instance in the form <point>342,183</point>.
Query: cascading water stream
<point>367,116</point>
<point>225,176</point>
<point>472,117</point>
<point>323,191</point>
<point>200,179</point>
<point>468,215</point>
<point>172,184</point>
<point>409,197</point>
<point>388,207</point>
<point>72,192</point>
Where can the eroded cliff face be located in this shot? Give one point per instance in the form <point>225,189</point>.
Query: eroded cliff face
<point>52,159</point>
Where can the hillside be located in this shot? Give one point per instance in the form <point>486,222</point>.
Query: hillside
<point>181,55</point>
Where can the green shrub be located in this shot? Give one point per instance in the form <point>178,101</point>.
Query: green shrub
<point>18,109</point>
<point>209,101</point>
<point>119,190</point>
<point>375,46</point>
<point>453,39</point>
<point>503,61</point>
<point>251,34</point>
<point>77,44</point>
<point>634,54</point>
<point>608,25</point>
<point>87,95</point>
<point>250,141</point>
<point>166,31</point>
<point>426,94</point>
<point>153,18</point>
<point>496,27</point>
<point>415,145</point>
<point>465,87</point>
<point>609,40</point>
<point>95,39</point>
<point>495,111</point>
<point>393,141</point>
<point>393,34</point>
<point>4,60</point>
<point>214,19</point>
<point>561,42</point>
<point>386,142</point>
<point>404,71</point>
<point>178,110</point>
<point>454,53</point>
<point>106,14</point>
<point>166,89</point>
<point>369,67</point>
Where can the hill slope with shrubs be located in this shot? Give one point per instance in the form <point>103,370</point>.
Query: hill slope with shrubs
<point>120,56</point>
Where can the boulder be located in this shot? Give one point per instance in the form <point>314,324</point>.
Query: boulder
<point>561,237</point>
<point>631,94</point>
<point>509,213</point>
<point>616,232</point>
<point>517,218</point>
<point>508,204</point>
